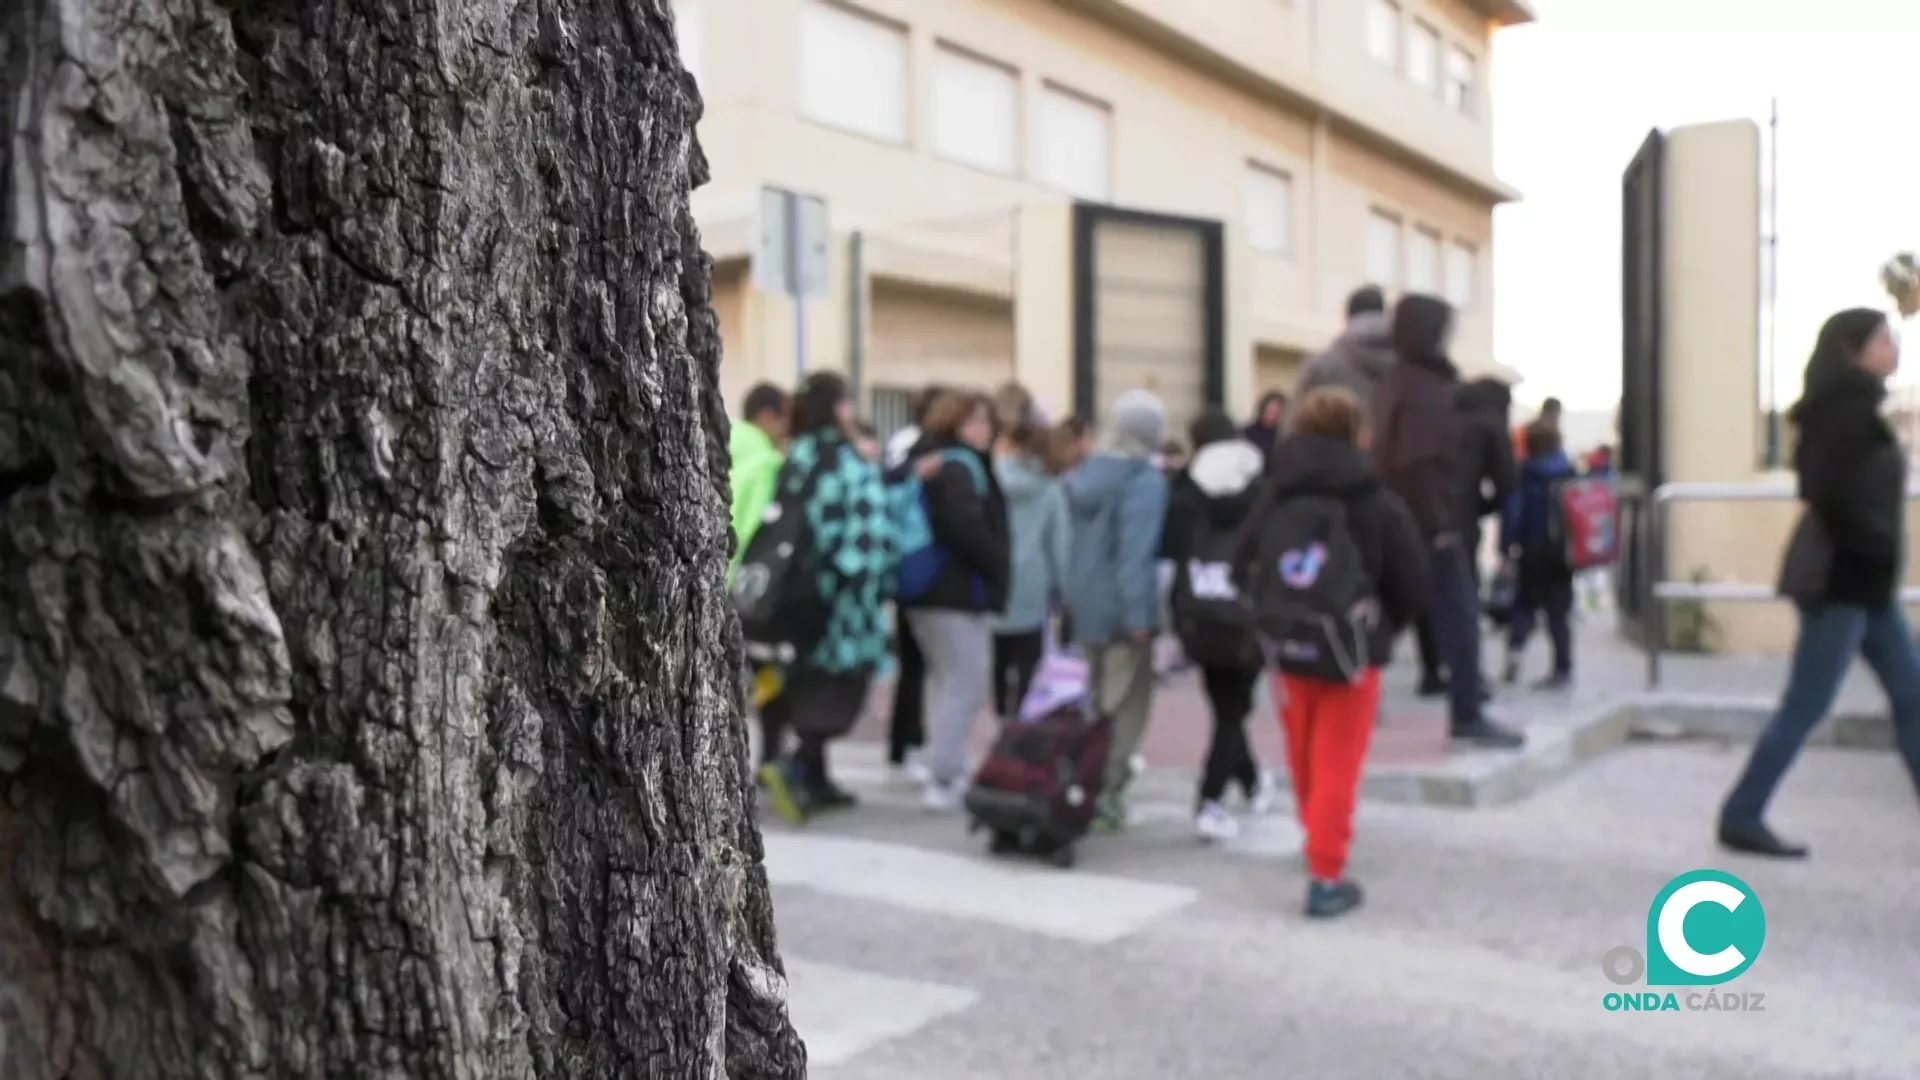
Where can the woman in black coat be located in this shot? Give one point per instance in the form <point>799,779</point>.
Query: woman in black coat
<point>1841,569</point>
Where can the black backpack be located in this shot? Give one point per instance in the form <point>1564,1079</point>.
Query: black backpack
<point>776,588</point>
<point>1314,604</point>
<point>1211,614</point>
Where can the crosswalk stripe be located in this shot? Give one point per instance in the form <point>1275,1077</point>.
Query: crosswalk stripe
<point>842,1013</point>
<point>1071,905</point>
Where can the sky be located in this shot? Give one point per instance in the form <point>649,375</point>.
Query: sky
<point>1576,93</point>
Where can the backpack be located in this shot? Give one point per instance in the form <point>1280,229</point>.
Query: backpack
<point>1582,513</point>
<point>921,556</point>
<point>1211,616</point>
<point>1314,605</point>
<point>776,588</point>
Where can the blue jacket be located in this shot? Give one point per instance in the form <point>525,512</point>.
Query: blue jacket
<point>1042,534</point>
<point>1119,506</point>
<point>1527,520</point>
<point>852,534</point>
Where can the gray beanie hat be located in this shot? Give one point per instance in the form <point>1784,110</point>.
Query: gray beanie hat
<point>1139,416</point>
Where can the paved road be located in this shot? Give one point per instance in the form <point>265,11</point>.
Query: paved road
<point>913,956</point>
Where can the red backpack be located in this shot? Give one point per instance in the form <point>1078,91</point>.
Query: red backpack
<point>1584,520</point>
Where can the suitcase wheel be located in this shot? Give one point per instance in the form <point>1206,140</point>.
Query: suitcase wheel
<point>1064,856</point>
<point>1003,843</point>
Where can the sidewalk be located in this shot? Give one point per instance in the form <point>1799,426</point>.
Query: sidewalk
<point>1723,698</point>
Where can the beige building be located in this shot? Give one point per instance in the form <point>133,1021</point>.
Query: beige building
<point>1092,195</point>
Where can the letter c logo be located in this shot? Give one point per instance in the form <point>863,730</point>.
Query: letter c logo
<point>1728,929</point>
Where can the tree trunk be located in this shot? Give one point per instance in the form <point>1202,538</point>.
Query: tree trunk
<point>368,696</point>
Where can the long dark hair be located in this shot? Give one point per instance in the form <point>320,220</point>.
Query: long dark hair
<point>816,405</point>
<point>1836,352</point>
<point>1420,327</point>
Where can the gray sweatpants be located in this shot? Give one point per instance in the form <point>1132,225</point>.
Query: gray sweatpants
<point>958,646</point>
<point>1122,678</point>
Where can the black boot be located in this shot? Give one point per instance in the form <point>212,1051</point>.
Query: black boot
<point>1432,685</point>
<point>1759,840</point>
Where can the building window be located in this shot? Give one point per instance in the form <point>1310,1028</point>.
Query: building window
<point>891,409</point>
<point>853,72</point>
<point>1383,32</point>
<point>1075,144</point>
<point>1269,210</point>
<point>690,26</point>
<point>1459,89</point>
<point>975,112</point>
<point>1462,260</point>
<point>1383,250</point>
<point>1423,262</point>
<point>1423,57</point>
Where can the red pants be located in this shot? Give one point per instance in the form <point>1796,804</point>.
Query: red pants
<point>1328,726</point>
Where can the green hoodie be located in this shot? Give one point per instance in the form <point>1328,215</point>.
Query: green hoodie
<point>756,465</point>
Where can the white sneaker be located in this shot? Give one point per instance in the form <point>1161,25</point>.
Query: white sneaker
<point>1214,825</point>
<point>945,798</point>
<point>911,771</point>
<point>1260,799</point>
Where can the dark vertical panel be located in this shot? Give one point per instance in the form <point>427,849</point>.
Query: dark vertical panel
<point>1642,293</point>
<point>1085,348</point>
<point>1215,316</point>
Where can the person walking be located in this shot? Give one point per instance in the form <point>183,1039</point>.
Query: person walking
<point>754,460</point>
<point>906,719</point>
<point>1361,356</point>
<point>1321,478</point>
<point>1539,557</point>
<point>1268,421</point>
<point>851,536</point>
<point>1041,532</point>
<point>1206,510</point>
<point>1416,451</point>
<point>1119,504</point>
<point>1842,568</point>
<point>951,621</point>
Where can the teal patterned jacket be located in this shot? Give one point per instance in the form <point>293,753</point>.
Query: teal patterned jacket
<point>852,535</point>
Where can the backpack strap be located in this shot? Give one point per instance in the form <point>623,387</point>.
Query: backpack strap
<point>972,462</point>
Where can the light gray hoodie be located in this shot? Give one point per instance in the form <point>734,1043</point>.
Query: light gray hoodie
<point>1358,359</point>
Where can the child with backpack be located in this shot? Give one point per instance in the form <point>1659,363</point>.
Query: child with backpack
<point>1531,540</point>
<point>1206,510</point>
<point>952,586</point>
<point>1335,569</point>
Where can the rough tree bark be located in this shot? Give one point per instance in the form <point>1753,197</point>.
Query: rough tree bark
<point>367,698</point>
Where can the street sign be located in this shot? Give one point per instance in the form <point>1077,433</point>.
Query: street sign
<point>791,257</point>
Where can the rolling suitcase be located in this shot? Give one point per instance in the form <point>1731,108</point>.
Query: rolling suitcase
<point>1037,792</point>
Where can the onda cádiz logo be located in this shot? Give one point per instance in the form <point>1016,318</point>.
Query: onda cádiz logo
<point>1705,928</point>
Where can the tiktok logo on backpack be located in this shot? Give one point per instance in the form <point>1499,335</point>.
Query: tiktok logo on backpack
<point>1301,567</point>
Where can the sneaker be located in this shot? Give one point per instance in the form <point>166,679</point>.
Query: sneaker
<point>786,796</point>
<point>944,798</point>
<point>1432,686</point>
<point>1332,899</point>
<point>913,770</point>
<point>1260,796</point>
<point>1214,825</point>
<point>1111,814</point>
<point>1554,684</point>
<point>1486,733</point>
<point>1510,670</point>
<point>832,796</point>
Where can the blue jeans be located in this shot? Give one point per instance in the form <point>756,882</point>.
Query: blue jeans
<point>1830,636</point>
<point>1454,610</point>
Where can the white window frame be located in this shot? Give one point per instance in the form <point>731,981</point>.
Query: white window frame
<point>822,78</point>
<point>1056,103</point>
<point>1425,44</point>
<point>690,26</point>
<point>1389,278</point>
<point>960,82</point>
<point>1269,226</point>
<point>1426,257</point>
<point>1461,279</point>
<point>1386,32</point>
<point>1461,80</point>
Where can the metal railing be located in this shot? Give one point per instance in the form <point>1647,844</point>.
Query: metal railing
<point>1650,517</point>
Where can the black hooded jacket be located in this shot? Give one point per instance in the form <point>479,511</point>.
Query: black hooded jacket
<point>1416,438</point>
<point>1390,548</point>
<point>1852,478</point>
<point>1487,469</point>
<point>972,527</point>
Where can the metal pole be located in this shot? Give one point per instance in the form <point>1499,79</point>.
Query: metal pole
<point>1773,282</point>
<point>1655,622</point>
<point>795,260</point>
